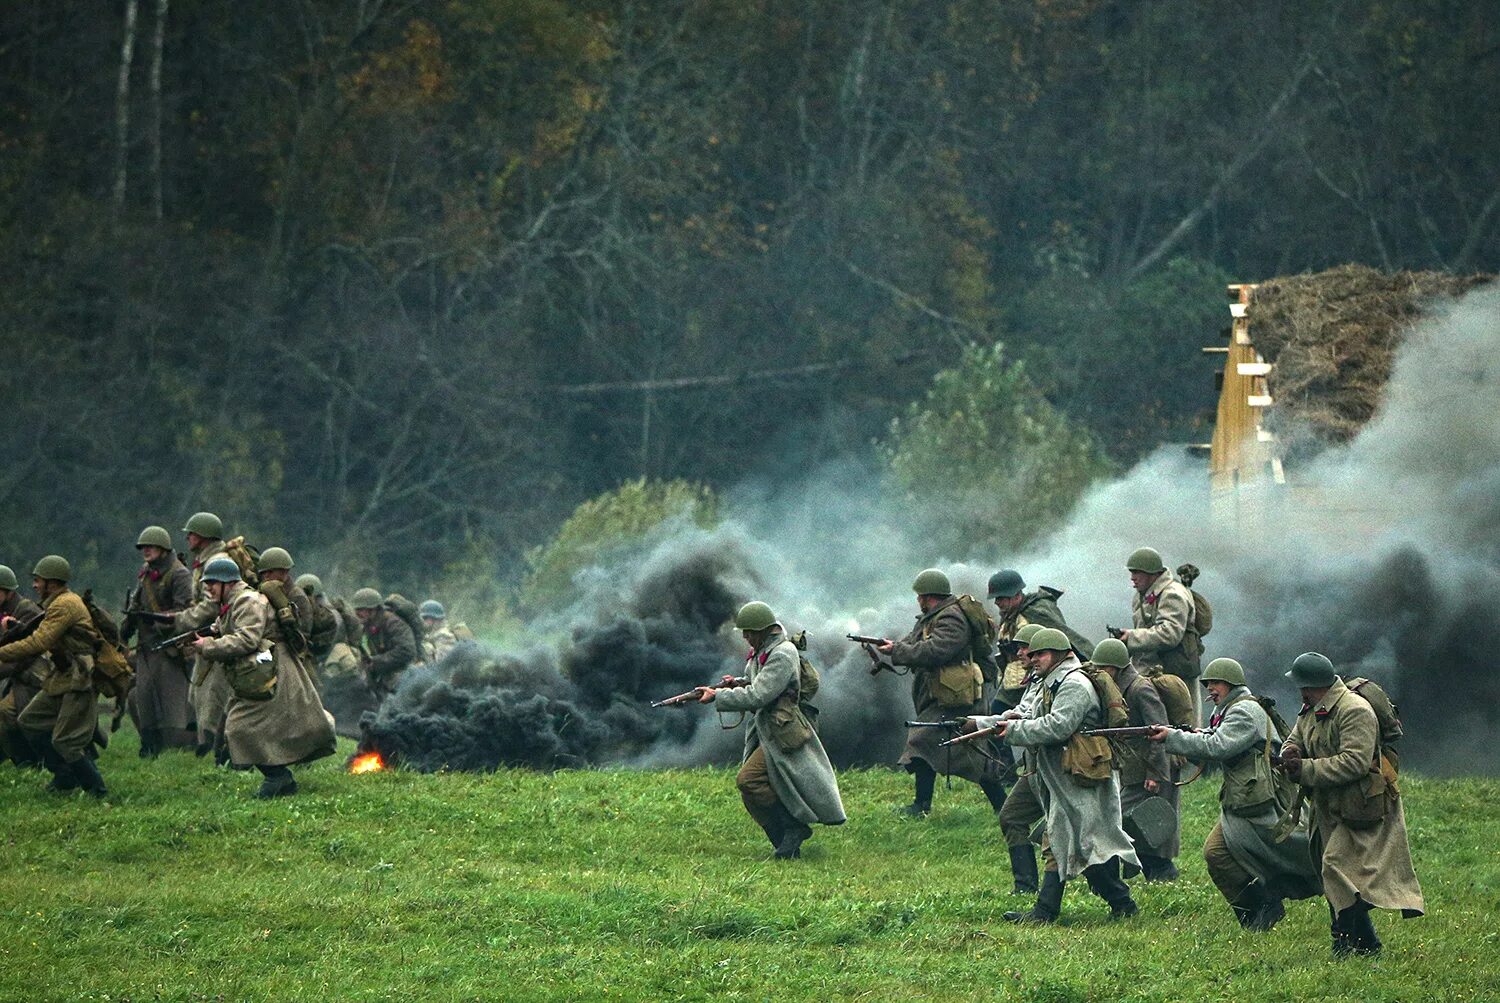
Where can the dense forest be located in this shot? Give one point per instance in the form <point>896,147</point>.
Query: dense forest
<point>400,284</point>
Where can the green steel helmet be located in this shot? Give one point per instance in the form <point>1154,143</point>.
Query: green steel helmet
<point>221,569</point>
<point>932,582</point>
<point>1312,670</point>
<point>1049,639</point>
<point>367,598</point>
<point>432,610</point>
<point>53,568</point>
<point>1027,632</point>
<point>1112,652</point>
<point>311,584</point>
<point>206,525</point>
<point>274,559</point>
<point>1147,560</point>
<point>154,536</point>
<point>1225,670</point>
<point>754,616</point>
<point>1005,584</point>
<point>8,579</point>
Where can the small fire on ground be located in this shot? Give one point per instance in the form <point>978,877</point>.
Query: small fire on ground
<point>368,762</point>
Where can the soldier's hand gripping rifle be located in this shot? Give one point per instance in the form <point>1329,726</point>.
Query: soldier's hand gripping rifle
<point>976,735</point>
<point>187,635</point>
<point>870,644</point>
<point>693,695</point>
<point>1142,731</point>
<point>17,629</point>
<point>1114,632</point>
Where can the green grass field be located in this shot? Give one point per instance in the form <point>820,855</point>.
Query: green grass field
<point>629,885</point>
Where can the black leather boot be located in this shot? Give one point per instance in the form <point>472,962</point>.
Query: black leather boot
<point>1023,869</point>
<point>63,779</point>
<point>1247,905</point>
<point>793,834</point>
<point>1343,944</point>
<point>926,782</point>
<point>87,772</point>
<point>279,782</point>
<point>150,743</point>
<point>1048,902</point>
<point>206,745</point>
<point>1104,881</point>
<point>1157,868</point>
<point>1361,930</point>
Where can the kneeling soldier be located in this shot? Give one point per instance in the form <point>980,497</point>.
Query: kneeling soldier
<point>785,778</point>
<point>1250,868</point>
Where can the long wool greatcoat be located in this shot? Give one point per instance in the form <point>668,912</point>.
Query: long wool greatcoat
<point>1160,619</point>
<point>947,642</point>
<point>1285,868</point>
<point>1140,760</point>
<point>803,778</point>
<point>209,692</point>
<point>291,727</point>
<point>1338,739</point>
<point>1083,823</point>
<point>160,696</point>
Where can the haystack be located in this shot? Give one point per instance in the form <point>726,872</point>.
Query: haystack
<point>1332,338</point>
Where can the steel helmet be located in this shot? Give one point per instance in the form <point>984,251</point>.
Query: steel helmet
<point>1112,652</point>
<point>1006,583</point>
<point>754,616</point>
<point>311,584</point>
<point>432,610</point>
<point>1050,639</point>
<point>221,569</point>
<point>932,582</point>
<point>1027,632</point>
<point>367,598</point>
<point>52,568</point>
<point>1147,560</point>
<point>1225,670</point>
<point>206,525</point>
<point>8,579</point>
<point>274,559</point>
<point>1312,670</point>
<point>154,536</point>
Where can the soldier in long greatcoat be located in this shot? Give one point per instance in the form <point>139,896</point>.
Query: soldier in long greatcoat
<point>159,702</point>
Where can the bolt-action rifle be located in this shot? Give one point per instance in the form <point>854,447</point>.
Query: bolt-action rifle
<point>1134,731</point>
<point>692,695</point>
<point>18,630</point>
<point>954,724</point>
<point>973,736</point>
<point>187,635</point>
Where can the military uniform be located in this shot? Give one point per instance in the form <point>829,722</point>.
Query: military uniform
<point>1251,869</point>
<point>1161,618</point>
<point>208,692</point>
<point>942,639</point>
<point>274,718</point>
<point>159,703</point>
<point>1358,822</point>
<point>390,648</point>
<point>23,680</point>
<point>1040,608</point>
<point>61,719</point>
<point>438,640</point>
<point>1140,760</point>
<point>785,780</point>
<point>326,630</point>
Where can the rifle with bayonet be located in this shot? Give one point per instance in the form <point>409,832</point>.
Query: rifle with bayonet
<point>187,635</point>
<point>693,695</point>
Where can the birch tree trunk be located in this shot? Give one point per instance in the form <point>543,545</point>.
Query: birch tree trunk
<point>157,41</point>
<point>122,105</point>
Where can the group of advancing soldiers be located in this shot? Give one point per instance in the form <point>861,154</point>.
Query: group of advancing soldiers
<point>226,650</point>
<point>1093,739</point>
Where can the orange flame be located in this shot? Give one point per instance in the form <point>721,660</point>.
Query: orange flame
<point>369,762</point>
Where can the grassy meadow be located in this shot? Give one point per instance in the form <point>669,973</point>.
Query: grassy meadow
<point>625,885</point>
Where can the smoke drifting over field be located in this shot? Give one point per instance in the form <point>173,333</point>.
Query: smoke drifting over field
<point>1391,567</point>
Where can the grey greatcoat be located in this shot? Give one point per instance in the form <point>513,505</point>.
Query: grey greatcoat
<point>942,637</point>
<point>209,691</point>
<point>1141,760</point>
<point>1083,823</point>
<point>1161,617</point>
<point>292,727</point>
<point>1338,739</point>
<point>1286,869</point>
<point>159,699</point>
<point>802,778</point>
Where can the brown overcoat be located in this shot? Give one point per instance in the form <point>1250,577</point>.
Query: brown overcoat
<point>941,637</point>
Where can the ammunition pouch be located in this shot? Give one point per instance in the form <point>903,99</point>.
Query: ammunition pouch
<point>1363,804</point>
<point>112,674</point>
<point>789,726</point>
<point>253,677</point>
<point>955,686</point>
<point>1088,759</point>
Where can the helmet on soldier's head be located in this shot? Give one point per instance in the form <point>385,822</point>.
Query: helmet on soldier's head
<point>1112,652</point>
<point>206,525</point>
<point>1312,670</point>
<point>8,579</point>
<point>52,568</point>
<point>311,584</point>
<point>1006,583</point>
<point>154,536</point>
<point>274,559</point>
<point>221,569</point>
<point>754,616</point>
<point>1027,632</point>
<point>1049,639</point>
<point>1225,670</point>
<point>367,598</point>
<point>432,610</point>
<point>932,582</point>
<point>1146,560</point>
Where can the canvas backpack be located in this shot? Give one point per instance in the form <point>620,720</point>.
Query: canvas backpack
<point>113,674</point>
<point>245,558</point>
<point>409,613</point>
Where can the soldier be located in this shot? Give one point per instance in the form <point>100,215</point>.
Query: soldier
<point>1007,590</point>
<point>21,681</point>
<point>59,722</point>
<point>1161,611</point>
<point>292,608</point>
<point>275,719</point>
<point>159,701</point>
<point>327,629</point>
<point>1023,806</point>
<point>208,691</point>
<point>439,639</point>
<point>950,660</point>
<point>785,778</point>
<point>1358,822</point>
<point>1146,777</point>
<point>1083,815</point>
<point>1250,868</point>
<point>388,645</point>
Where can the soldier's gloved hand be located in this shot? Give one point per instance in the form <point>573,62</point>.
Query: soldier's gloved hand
<point>1291,762</point>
